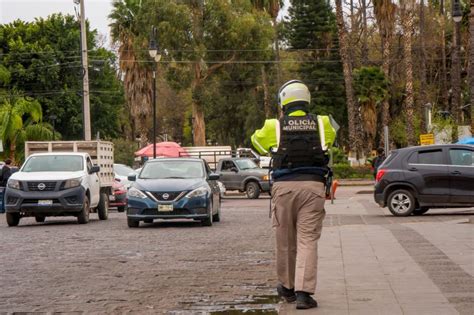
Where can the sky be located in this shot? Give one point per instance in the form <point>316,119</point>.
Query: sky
<point>27,10</point>
<point>97,11</point>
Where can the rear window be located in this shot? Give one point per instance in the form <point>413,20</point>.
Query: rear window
<point>427,157</point>
<point>389,159</point>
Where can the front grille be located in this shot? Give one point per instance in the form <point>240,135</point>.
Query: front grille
<point>41,186</point>
<point>171,195</point>
<point>174,212</point>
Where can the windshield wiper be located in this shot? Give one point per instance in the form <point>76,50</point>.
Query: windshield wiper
<point>174,177</point>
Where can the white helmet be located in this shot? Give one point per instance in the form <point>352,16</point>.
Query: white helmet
<point>293,91</point>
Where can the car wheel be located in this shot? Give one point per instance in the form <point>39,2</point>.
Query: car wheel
<point>121,208</point>
<point>40,218</point>
<point>103,207</point>
<point>420,210</point>
<point>217,217</point>
<point>401,203</point>
<point>13,219</point>
<point>208,221</point>
<point>132,223</point>
<point>83,216</point>
<point>253,190</point>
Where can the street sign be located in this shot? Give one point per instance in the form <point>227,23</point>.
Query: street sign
<point>427,139</point>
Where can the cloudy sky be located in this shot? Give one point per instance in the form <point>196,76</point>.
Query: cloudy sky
<point>96,11</point>
<point>27,10</point>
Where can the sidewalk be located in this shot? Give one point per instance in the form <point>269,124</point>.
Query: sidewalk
<point>391,266</point>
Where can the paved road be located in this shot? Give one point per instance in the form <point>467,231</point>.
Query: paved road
<point>370,263</point>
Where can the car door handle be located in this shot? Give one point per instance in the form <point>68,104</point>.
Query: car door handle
<point>456,172</point>
<point>413,169</point>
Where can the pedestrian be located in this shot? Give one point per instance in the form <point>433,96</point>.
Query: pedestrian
<point>378,160</point>
<point>5,173</point>
<point>298,142</point>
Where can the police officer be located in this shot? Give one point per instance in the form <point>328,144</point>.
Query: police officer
<point>298,142</point>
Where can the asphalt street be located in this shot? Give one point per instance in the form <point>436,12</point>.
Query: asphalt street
<point>370,263</point>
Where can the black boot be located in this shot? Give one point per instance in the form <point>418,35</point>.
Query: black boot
<point>305,301</point>
<point>287,294</point>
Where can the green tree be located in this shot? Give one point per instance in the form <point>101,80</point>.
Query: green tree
<point>371,89</point>
<point>21,120</point>
<point>312,28</point>
<point>43,58</point>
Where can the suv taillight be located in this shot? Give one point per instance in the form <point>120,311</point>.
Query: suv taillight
<point>380,174</point>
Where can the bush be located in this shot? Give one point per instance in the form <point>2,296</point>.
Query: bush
<point>124,151</point>
<point>348,172</point>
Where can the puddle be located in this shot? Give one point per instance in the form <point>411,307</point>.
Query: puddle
<point>252,304</point>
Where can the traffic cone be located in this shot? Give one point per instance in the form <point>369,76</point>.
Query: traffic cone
<point>334,186</point>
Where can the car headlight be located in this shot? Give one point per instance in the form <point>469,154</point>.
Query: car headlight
<point>71,183</point>
<point>135,193</point>
<point>198,192</point>
<point>14,184</point>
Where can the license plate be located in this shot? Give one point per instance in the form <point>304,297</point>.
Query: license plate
<point>45,202</point>
<point>165,208</point>
<point>112,198</point>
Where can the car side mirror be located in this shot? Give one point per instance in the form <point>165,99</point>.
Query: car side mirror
<point>234,169</point>
<point>132,177</point>
<point>94,169</point>
<point>214,176</point>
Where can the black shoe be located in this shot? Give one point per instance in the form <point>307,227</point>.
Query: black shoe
<point>287,294</point>
<point>305,301</point>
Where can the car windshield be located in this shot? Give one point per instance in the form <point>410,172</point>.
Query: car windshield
<point>123,170</point>
<point>172,169</point>
<point>246,164</point>
<point>54,163</point>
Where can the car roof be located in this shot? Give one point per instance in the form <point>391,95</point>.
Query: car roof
<point>175,159</point>
<point>60,153</point>
<point>435,146</point>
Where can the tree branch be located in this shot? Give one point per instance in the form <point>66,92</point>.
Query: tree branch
<point>213,68</point>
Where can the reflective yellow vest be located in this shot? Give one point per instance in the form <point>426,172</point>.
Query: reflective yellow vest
<point>268,137</point>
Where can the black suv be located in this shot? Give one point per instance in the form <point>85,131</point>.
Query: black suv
<point>415,179</point>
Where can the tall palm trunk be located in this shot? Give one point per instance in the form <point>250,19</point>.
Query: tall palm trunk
<point>407,23</point>
<point>471,64</point>
<point>365,45</point>
<point>385,14</point>
<point>347,70</point>
<point>456,75</point>
<point>444,76</point>
<point>424,96</point>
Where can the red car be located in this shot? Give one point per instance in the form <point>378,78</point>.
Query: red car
<point>119,198</point>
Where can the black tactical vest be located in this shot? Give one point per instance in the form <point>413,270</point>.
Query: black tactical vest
<point>299,145</point>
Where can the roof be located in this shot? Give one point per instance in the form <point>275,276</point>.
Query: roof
<point>435,146</point>
<point>60,153</point>
<point>174,159</point>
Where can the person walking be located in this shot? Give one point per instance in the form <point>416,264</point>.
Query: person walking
<point>378,160</point>
<point>298,143</point>
<point>5,173</point>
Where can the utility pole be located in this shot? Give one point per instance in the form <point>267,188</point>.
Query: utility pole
<point>85,75</point>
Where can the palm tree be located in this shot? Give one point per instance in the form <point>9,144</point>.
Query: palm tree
<point>407,24</point>
<point>21,120</point>
<point>471,64</point>
<point>384,11</point>
<point>347,70</point>
<point>136,77</point>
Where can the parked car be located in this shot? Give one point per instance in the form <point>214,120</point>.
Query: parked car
<point>174,188</point>
<point>413,180</point>
<point>119,197</point>
<point>243,174</point>
<point>121,173</point>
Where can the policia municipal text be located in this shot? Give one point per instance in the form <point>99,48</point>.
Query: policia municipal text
<point>298,143</point>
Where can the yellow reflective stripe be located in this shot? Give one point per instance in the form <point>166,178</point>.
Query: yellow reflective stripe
<point>258,145</point>
<point>322,134</point>
<point>277,130</point>
<point>292,99</point>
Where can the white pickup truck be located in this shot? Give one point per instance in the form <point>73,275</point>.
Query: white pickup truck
<point>61,178</point>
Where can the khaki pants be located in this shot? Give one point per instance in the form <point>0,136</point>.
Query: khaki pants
<point>298,213</point>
